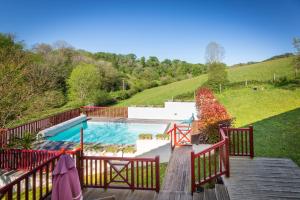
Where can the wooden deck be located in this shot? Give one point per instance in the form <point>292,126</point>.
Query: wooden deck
<point>176,185</point>
<point>263,179</point>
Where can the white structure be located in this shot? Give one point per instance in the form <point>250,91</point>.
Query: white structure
<point>171,111</point>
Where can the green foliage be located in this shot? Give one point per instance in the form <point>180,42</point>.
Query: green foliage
<point>217,75</point>
<point>112,148</point>
<point>84,84</point>
<point>145,136</point>
<point>274,113</point>
<point>23,143</point>
<point>14,89</point>
<point>260,72</point>
<point>129,149</point>
<point>162,136</point>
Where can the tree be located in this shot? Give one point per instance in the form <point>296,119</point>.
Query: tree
<point>296,43</point>
<point>214,53</point>
<point>14,90</point>
<point>84,83</point>
<point>217,74</point>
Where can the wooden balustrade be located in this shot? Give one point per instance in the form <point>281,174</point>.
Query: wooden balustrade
<point>109,112</point>
<point>180,135</point>
<point>6,135</point>
<point>121,172</point>
<point>37,182</point>
<point>214,161</point>
<point>240,141</point>
<point>13,159</point>
<point>210,163</point>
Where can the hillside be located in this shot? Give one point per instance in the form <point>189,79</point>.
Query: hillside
<point>260,71</point>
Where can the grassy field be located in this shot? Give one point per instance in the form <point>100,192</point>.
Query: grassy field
<point>275,115</point>
<point>261,71</point>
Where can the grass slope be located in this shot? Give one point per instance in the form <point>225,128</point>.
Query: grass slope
<point>275,115</point>
<point>260,71</point>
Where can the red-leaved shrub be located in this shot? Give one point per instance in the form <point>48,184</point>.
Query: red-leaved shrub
<point>210,114</point>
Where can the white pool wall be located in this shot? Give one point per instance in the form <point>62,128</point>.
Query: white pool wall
<point>170,111</point>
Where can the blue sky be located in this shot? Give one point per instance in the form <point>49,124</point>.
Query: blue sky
<point>248,30</point>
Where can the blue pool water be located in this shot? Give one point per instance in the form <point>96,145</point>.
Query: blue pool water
<point>108,132</point>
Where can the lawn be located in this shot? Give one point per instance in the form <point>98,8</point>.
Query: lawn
<point>263,71</point>
<point>275,115</point>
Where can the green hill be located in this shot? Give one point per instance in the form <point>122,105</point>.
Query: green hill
<point>260,71</point>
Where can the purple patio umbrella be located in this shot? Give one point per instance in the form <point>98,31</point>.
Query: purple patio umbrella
<point>66,185</point>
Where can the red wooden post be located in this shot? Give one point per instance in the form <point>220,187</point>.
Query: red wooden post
<point>81,138</point>
<point>193,171</point>
<point>227,156</point>
<point>79,166</point>
<point>251,141</point>
<point>10,194</point>
<point>175,137</point>
<point>157,176</point>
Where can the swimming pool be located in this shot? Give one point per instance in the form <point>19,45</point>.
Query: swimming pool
<point>108,132</point>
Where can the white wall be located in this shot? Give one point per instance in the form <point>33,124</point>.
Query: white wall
<point>171,111</point>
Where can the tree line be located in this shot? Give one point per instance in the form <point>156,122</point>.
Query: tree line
<point>51,76</point>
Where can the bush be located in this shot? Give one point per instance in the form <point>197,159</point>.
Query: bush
<point>112,148</point>
<point>145,136</point>
<point>211,114</point>
<point>185,96</point>
<point>101,98</point>
<point>129,149</point>
<point>162,137</point>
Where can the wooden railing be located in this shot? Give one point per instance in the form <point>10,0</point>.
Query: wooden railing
<point>214,161</point>
<point>6,135</point>
<point>210,163</point>
<point>109,112</point>
<point>36,183</point>
<point>240,141</point>
<point>13,159</point>
<point>121,172</point>
<point>180,135</point>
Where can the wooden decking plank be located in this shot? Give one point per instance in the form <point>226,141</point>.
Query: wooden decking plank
<point>263,178</point>
<point>178,173</point>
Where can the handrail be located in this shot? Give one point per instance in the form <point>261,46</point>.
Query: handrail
<point>121,172</point>
<point>233,142</point>
<point>43,182</point>
<point>211,162</point>
<point>14,159</point>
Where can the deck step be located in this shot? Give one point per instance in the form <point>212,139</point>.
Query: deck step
<point>221,192</point>
<point>209,194</point>
<point>198,196</point>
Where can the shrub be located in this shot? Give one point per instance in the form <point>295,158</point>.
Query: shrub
<point>210,114</point>
<point>129,149</point>
<point>145,136</point>
<point>162,137</point>
<point>112,148</point>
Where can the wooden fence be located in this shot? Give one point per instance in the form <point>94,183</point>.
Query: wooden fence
<point>121,172</point>
<point>6,135</point>
<point>180,135</point>
<point>240,141</point>
<point>210,163</point>
<point>107,112</point>
<point>36,183</point>
<point>15,159</point>
<point>214,161</point>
